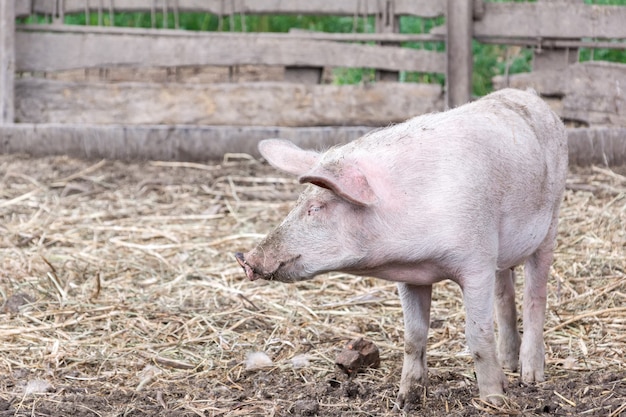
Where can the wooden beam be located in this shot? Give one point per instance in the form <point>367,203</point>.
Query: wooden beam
<point>367,37</point>
<point>424,8</point>
<point>588,146</point>
<point>180,143</point>
<point>7,60</point>
<point>293,33</point>
<point>555,58</point>
<point>559,19</point>
<point>22,8</point>
<point>550,43</point>
<point>597,146</point>
<point>459,52</point>
<point>49,48</point>
<point>237,104</point>
<point>588,92</point>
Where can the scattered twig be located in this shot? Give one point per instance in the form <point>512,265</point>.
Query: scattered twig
<point>63,182</point>
<point>579,317</point>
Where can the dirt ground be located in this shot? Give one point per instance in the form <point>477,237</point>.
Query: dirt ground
<point>120,297</point>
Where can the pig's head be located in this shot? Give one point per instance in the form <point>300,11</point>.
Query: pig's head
<point>326,230</point>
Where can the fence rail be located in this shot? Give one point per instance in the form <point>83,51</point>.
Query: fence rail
<point>423,8</point>
<point>559,19</point>
<point>587,146</point>
<point>232,104</point>
<point>126,113</point>
<point>54,48</point>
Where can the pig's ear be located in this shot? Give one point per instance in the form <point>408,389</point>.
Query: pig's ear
<point>347,181</point>
<point>286,156</point>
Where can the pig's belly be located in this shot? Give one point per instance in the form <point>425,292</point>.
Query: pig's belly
<point>421,273</point>
<point>517,241</point>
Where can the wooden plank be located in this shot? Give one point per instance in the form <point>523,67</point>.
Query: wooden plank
<point>550,43</point>
<point>7,61</point>
<point>551,19</point>
<point>597,146</point>
<point>595,108</point>
<point>555,58</point>
<point>459,52</point>
<point>74,48</point>
<point>367,37</point>
<point>589,92</point>
<point>180,143</point>
<point>600,76</point>
<point>194,74</point>
<point>424,8</point>
<point>588,146</point>
<point>22,8</point>
<point>237,104</point>
<point>293,33</point>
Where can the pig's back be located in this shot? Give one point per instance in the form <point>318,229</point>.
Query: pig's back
<point>512,150</point>
<point>495,166</point>
<point>514,137</point>
<point>509,137</point>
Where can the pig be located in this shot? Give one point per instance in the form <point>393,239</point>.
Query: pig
<point>466,195</point>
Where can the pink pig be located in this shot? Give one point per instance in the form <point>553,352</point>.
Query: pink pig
<point>465,195</point>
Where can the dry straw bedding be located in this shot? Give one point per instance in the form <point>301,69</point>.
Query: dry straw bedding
<point>121,296</point>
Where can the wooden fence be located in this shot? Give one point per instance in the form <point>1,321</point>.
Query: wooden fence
<point>176,94</point>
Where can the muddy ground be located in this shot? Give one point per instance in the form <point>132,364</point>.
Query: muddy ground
<point>121,298</point>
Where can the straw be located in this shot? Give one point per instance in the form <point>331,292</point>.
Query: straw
<point>121,292</point>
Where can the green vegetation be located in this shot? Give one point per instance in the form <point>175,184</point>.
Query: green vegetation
<point>489,60</point>
<point>492,60</point>
<point>607,2</point>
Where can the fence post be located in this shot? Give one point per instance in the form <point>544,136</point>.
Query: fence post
<point>459,59</point>
<point>7,60</point>
<point>387,22</point>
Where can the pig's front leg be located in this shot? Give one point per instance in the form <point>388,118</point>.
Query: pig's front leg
<point>416,309</point>
<point>478,297</point>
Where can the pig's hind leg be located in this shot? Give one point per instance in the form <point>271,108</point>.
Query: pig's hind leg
<point>506,316</point>
<point>536,271</point>
<point>416,309</point>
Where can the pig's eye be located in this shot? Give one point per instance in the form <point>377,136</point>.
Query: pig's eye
<point>313,210</point>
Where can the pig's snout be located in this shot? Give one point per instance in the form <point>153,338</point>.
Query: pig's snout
<point>280,271</point>
<point>247,268</point>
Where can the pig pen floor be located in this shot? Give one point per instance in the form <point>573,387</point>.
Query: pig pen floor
<point>120,297</point>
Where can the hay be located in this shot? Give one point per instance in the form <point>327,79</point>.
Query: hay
<point>121,296</point>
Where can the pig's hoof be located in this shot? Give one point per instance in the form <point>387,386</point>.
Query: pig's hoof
<point>532,375</point>
<point>532,367</point>
<point>510,361</point>
<point>411,400</point>
<point>498,399</point>
<point>494,393</point>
